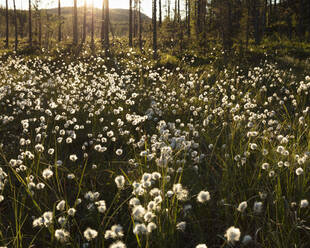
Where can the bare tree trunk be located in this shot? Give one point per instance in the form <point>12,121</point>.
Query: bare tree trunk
<point>160,13</point>
<point>270,13</point>
<point>226,15</point>
<point>59,20</point>
<point>102,24</point>
<point>130,23</point>
<point>84,22</point>
<point>186,12</point>
<point>40,29</point>
<point>15,24</point>
<point>169,10</point>
<point>154,29</point>
<point>197,9</point>
<point>179,15</point>
<point>75,24</point>
<point>204,26</point>
<point>275,11</point>
<point>47,31</point>
<point>264,18</point>
<point>107,24</point>
<point>135,19</point>
<point>257,23</point>
<point>175,10</point>
<point>300,25</point>
<point>36,26</point>
<point>189,19</point>
<point>92,27</point>
<point>30,25</point>
<point>247,27</point>
<point>140,27</point>
<point>7,24</point>
<point>180,26</point>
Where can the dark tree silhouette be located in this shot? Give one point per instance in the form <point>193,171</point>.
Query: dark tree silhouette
<point>160,13</point>
<point>188,4</point>
<point>84,22</point>
<point>30,24</point>
<point>92,42</point>
<point>154,22</point>
<point>140,26</point>
<point>75,24</point>
<point>6,24</point>
<point>130,23</point>
<point>59,21</point>
<point>15,24</point>
<point>107,24</point>
<point>168,8</point>
<point>102,24</point>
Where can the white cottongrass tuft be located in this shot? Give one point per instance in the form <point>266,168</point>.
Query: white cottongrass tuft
<point>73,157</point>
<point>299,171</point>
<point>203,196</point>
<point>71,211</point>
<point>61,205</point>
<point>47,173</point>
<point>62,235</point>
<point>119,152</point>
<point>138,212</point>
<point>47,218</point>
<point>101,206</point>
<point>120,182</point>
<point>242,206</point>
<point>181,226</point>
<point>90,234</point>
<point>140,229</point>
<point>151,227</point>
<point>118,230</point>
<point>118,244</point>
<point>232,234</point>
<point>201,246</point>
<point>304,203</point>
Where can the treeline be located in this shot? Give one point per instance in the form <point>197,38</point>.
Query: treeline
<point>50,26</point>
<point>232,22</point>
<point>181,23</point>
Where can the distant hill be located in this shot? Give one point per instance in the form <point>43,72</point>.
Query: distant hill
<point>119,21</point>
<point>116,15</point>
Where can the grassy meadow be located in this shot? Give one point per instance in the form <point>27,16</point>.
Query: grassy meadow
<point>122,151</point>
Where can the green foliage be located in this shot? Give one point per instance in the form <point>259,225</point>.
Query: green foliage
<point>168,61</point>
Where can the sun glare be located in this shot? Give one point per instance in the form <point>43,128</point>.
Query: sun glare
<point>114,4</point>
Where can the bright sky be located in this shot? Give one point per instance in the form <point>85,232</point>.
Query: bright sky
<point>146,5</point>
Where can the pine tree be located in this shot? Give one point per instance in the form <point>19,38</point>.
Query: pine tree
<point>75,24</point>
<point>59,20</point>
<point>154,21</point>
<point>135,19</point>
<point>102,24</point>
<point>168,9</point>
<point>40,28</point>
<point>92,27</point>
<point>160,13</point>
<point>84,22</point>
<point>188,18</point>
<point>140,26</point>
<point>30,24</point>
<point>107,24</point>
<point>7,24</point>
<point>15,24</point>
<point>130,23</point>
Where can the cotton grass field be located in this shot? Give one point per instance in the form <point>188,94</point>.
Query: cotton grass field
<point>120,151</point>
